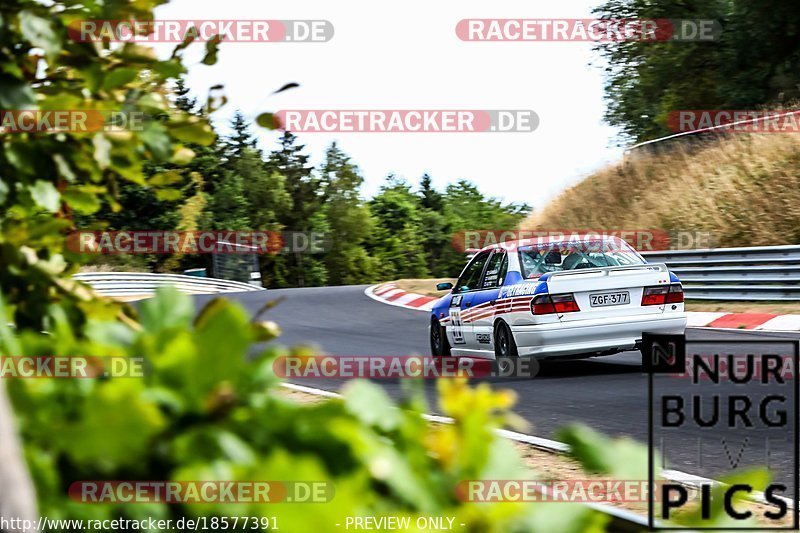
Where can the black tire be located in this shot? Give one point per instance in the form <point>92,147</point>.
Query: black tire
<point>504,345</point>
<point>440,347</point>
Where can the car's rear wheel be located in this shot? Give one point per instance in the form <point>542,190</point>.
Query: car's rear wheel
<point>504,345</point>
<point>440,347</point>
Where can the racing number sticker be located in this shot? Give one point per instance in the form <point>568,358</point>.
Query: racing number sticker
<point>457,325</point>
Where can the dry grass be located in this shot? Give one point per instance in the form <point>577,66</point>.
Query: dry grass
<point>745,190</point>
<point>426,287</point>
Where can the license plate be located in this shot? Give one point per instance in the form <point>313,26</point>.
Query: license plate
<point>608,299</point>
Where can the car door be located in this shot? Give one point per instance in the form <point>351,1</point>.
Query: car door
<point>483,300</point>
<point>459,329</point>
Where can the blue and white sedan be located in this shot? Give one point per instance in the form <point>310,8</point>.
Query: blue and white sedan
<point>584,297</point>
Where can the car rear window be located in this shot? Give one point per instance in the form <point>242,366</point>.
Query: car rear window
<point>557,257</point>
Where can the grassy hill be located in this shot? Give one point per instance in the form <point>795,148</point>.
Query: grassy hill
<point>744,189</point>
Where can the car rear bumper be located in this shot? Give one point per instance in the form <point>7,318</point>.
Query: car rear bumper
<point>589,336</point>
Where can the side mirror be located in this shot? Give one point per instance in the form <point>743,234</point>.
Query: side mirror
<point>444,286</point>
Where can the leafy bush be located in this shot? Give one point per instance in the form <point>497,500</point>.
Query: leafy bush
<point>209,408</point>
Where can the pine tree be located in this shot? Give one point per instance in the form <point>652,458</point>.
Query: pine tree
<point>241,139</point>
<point>304,189</point>
<point>429,196</point>
<point>348,220</point>
<point>182,100</point>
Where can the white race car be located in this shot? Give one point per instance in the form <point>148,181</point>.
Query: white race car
<point>584,297</point>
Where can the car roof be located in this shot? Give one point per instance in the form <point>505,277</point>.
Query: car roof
<point>554,239</point>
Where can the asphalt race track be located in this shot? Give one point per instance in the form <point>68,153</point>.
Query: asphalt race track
<point>609,393</point>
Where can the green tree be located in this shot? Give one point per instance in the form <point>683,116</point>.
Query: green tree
<point>467,209</point>
<point>301,183</point>
<point>349,221</point>
<point>398,240</point>
<point>183,101</point>
<point>304,188</point>
<point>430,198</point>
<point>761,56</point>
<point>437,234</point>
<point>240,140</point>
<point>755,61</point>
<point>268,203</point>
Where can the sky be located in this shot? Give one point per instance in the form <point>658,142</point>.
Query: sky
<point>406,55</point>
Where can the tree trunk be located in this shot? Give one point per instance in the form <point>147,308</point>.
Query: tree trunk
<point>17,496</point>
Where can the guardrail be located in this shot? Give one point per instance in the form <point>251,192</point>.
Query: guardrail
<point>708,133</point>
<point>134,283</point>
<point>754,273</point>
<point>746,274</point>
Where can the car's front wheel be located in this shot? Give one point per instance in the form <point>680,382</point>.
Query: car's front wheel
<point>504,345</point>
<point>440,347</point>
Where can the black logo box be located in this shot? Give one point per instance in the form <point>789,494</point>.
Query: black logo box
<point>675,362</point>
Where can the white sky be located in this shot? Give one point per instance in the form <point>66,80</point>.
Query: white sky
<point>405,55</point>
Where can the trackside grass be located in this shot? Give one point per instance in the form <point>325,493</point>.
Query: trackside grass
<point>744,189</point>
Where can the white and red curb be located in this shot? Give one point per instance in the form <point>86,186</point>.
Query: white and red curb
<point>389,293</point>
<point>744,321</point>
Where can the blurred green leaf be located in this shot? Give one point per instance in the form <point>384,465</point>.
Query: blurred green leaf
<point>212,49</point>
<point>83,200</point>
<point>114,428</point>
<point>102,150</point>
<point>162,179</point>
<point>39,32</point>
<point>622,458</point>
<point>167,310</point>
<point>291,85</point>
<point>370,404</point>
<point>187,40</point>
<point>45,195</point>
<point>3,191</point>
<point>15,94</point>
<point>193,132</point>
<point>269,121</point>
<point>119,77</point>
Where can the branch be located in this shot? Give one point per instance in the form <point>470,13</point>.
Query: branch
<point>17,496</point>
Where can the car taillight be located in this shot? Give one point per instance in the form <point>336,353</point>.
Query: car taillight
<point>663,294</point>
<point>548,304</point>
<point>675,295</point>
